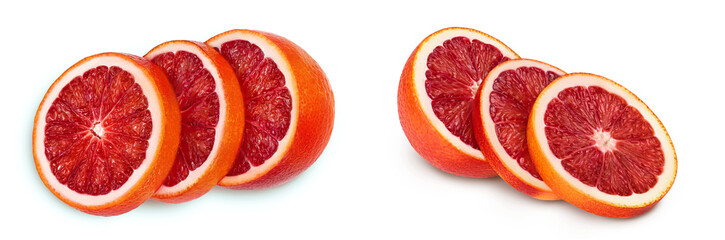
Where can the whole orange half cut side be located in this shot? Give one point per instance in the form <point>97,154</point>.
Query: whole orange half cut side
<point>288,104</point>
<point>106,133</point>
<point>436,97</point>
<point>212,117</point>
<point>599,147</point>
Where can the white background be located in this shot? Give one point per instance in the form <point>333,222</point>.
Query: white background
<point>369,183</point>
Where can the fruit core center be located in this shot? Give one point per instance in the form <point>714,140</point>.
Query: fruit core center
<point>476,84</point>
<point>97,130</point>
<point>604,141</point>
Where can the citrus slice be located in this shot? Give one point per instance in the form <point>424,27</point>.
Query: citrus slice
<point>500,116</point>
<point>600,147</point>
<point>289,108</point>
<point>212,117</point>
<point>106,133</point>
<point>436,93</point>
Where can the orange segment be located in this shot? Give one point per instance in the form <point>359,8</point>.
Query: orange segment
<point>600,147</point>
<point>289,108</point>
<point>212,117</point>
<point>105,132</point>
<point>503,103</point>
<point>435,97</point>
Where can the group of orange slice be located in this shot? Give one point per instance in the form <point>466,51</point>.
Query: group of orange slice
<point>471,106</point>
<point>251,110</point>
<point>245,110</point>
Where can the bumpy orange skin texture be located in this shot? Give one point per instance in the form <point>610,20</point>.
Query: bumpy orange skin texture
<point>166,149</point>
<point>495,161</point>
<point>231,135</point>
<point>316,113</point>
<point>425,139</point>
<point>573,195</point>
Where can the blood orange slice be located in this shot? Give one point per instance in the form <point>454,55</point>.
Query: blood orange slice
<point>212,117</point>
<point>435,97</point>
<point>500,116</point>
<point>289,108</point>
<point>106,133</point>
<point>600,147</point>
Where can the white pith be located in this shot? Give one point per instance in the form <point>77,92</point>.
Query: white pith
<point>420,67</point>
<point>271,51</point>
<point>98,129</point>
<point>664,180</point>
<point>604,141</point>
<point>490,127</point>
<point>148,89</point>
<point>197,173</point>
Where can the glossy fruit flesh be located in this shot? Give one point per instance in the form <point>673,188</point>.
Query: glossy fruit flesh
<point>603,142</point>
<point>511,100</point>
<point>268,103</point>
<point>455,70</point>
<point>199,104</point>
<point>97,131</point>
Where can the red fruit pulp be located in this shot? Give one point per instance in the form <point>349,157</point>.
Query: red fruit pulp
<point>267,103</point>
<point>513,95</point>
<point>455,70</point>
<point>97,131</point>
<point>602,141</point>
<point>199,104</point>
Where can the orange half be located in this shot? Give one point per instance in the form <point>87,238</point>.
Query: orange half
<point>106,133</point>
<point>436,97</point>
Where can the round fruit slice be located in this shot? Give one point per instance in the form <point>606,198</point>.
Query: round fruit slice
<point>106,133</point>
<point>212,117</point>
<point>289,108</point>
<point>600,147</point>
<point>500,116</point>
<point>436,93</point>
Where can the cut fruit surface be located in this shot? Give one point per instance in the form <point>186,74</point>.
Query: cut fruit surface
<point>436,93</point>
<point>289,108</point>
<point>105,133</point>
<point>212,117</point>
<point>501,114</point>
<point>600,147</point>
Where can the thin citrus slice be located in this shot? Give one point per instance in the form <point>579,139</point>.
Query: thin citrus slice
<point>212,117</point>
<point>600,147</point>
<point>500,116</point>
<point>289,108</point>
<point>106,133</point>
<point>436,93</point>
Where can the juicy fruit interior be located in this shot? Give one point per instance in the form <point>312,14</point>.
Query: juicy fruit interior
<point>267,103</point>
<point>513,95</point>
<point>602,141</point>
<point>97,131</point>
<point>455,70</point>
<point>199,104</point>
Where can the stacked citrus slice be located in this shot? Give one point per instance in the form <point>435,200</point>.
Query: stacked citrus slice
<point>212,116</point>
<point>500,116</point>
<point>116,129</point>
<point>600,147</point>
<point>577,137</point>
